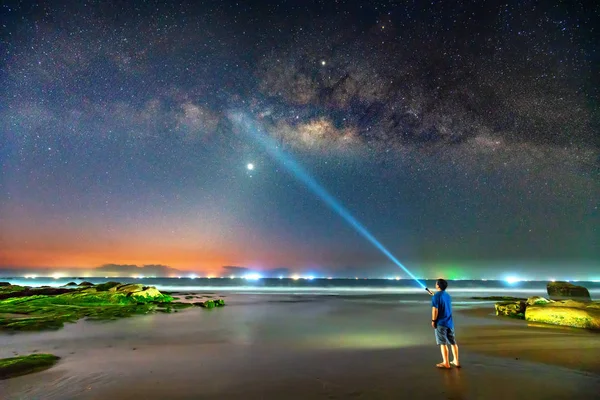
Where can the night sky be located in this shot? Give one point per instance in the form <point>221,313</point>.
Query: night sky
<point>463,135</point>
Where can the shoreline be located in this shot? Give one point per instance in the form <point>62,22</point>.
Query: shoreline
<point>273,346</point>
<point>562,346</point>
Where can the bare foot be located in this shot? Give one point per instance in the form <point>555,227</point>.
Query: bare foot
<point>442,365</point>
<point>457,365</point>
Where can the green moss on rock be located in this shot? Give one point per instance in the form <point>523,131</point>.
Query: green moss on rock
<point>17,366</point>
<point>103,287</point>
<point>511,309</point>
<point>35,309</point>
<point>571,314</point>
<point>50,311</point>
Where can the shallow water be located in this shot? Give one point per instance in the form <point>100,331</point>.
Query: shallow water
<point>284,346</point>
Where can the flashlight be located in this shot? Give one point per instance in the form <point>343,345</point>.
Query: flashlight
<point>429,291</point>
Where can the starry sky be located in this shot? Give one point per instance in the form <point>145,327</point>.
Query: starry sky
<point>464,135</point>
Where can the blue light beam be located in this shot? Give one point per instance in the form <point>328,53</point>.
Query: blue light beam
<point>296,169</point>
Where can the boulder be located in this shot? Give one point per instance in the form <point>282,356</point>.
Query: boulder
<point>537,300</point>
<point>71,284</point>
<point>578,317</point>
<point>147,292</point>
<point>103,287</point>
<point>86,283</point>
<point>128,288</point>
<point>511,308</point>
<point>565,290</point>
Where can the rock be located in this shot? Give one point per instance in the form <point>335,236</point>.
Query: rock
<point>71,284</point>
<point>86,283</point>
<point>103,287</point>
<point>210,303</point>
<point>511,308</point>
<point>150,291</point>
<point>17,366</point>
<point>128,288</point>
<point>24,291</point>
<point>537,300</point>
<point>565,290</point>
<point>564,315</point>
<point>5,284</point>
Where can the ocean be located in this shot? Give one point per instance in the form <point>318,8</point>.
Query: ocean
<point>317,286</point>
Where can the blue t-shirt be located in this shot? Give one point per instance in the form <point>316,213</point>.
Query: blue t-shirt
<point>443,302</point>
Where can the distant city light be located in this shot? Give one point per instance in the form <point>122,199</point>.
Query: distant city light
<point>232,276</point>
<point>193,276</point>
<point>30,276</point>
<point>512,279</point>
<point>252,277</point>
<point>57,275</point>
<point>295,277</point>
<point>310,277</point>
<point>280,277</point>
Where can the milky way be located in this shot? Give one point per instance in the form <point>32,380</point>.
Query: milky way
<point>459,133</point>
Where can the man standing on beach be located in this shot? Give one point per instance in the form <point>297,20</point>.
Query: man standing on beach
<point>441,321</point>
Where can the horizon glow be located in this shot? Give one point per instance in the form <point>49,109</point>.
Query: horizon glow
<point>302,175</point>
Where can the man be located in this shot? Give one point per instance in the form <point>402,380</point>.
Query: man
<point>441,321</point>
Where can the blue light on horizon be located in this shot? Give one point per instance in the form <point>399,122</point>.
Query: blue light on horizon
<point>298,171</point>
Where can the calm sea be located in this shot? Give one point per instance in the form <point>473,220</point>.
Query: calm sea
<point>320,286</point>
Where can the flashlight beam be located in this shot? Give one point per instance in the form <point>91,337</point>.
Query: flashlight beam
<point>296,169</point>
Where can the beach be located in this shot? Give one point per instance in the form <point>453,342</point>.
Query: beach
<point>286,346</point>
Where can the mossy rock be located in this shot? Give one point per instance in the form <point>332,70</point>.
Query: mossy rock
<point>103,287</point>
<point>212,303</point>
<point>537,300</point>
<point>583,317</point>
<point>17,366</point>
<point>86,283</point>
<point>36,312</point>
<point>565,290</point>
<point>515,309</point>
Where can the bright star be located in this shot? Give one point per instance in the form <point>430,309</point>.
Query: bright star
<point>250,166</point>
<point>323,62</point>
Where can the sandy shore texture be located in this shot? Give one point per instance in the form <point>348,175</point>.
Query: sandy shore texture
<point>308,347</point>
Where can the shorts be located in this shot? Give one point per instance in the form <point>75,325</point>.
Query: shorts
<point>444,335</point>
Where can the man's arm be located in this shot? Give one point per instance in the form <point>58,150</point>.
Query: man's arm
<point>434,315</point>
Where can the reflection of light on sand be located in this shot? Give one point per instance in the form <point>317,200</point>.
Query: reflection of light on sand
<point>359,341</point>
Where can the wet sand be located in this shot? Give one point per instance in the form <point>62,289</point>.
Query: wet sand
<point>307,347</point>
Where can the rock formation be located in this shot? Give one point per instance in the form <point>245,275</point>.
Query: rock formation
<point>566,313</point>
<point>565,290</point>
<point>579,313</point>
